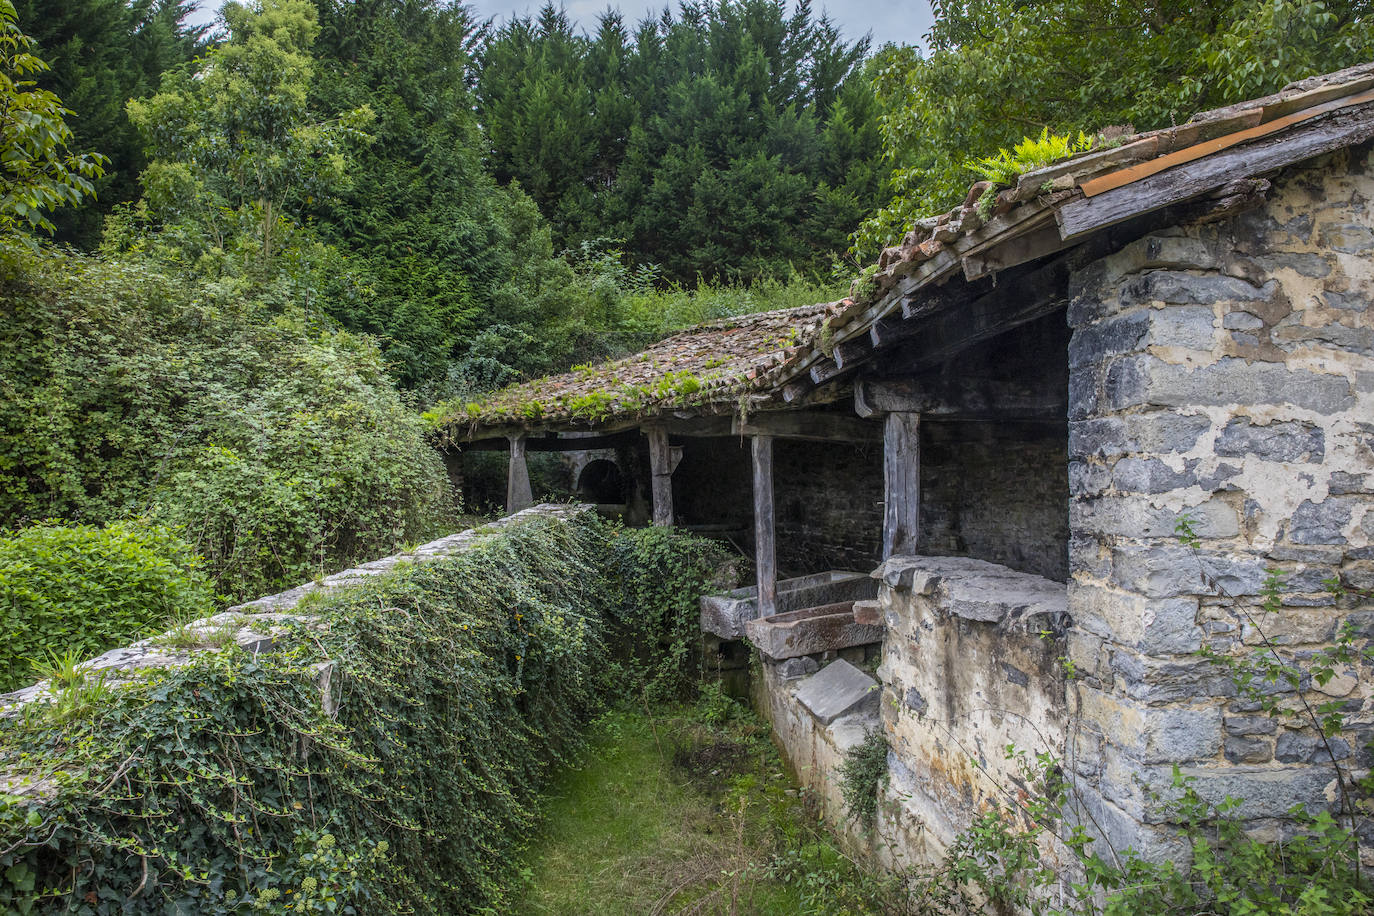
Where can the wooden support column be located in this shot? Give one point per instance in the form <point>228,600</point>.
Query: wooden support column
<point>765,545</point>
<point>901,483</point>
<point>518,494</point>
<point>663,460</point>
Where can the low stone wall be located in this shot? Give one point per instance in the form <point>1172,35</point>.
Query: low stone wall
<point>254,625</point>
<point>818,715</point>
<point>970,667</point>
<point>970,664</point>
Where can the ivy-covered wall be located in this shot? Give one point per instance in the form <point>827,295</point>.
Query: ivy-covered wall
<point>374,745</point>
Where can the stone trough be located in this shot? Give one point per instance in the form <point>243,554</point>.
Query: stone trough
<point>811,631</point>
<point>725,615</point>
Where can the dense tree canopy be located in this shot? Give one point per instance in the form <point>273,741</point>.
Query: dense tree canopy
<point>729,141</point>
<point>101,53</point>
<point>39,171</point>
<point>1000,70</point>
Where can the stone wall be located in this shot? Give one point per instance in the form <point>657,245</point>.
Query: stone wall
<point>997,491</point>
<point>1223,372</point>
<point>828,498</point>
<point>970,665</point>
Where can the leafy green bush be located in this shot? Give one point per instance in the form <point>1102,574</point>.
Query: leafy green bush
<point>656,627</point>
<point>225,787</point>
<point>863,773</point>
<point>276,440</point>
<point>84,589</point>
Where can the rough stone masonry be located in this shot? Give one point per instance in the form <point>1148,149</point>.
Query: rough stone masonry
<point>1225,373</point>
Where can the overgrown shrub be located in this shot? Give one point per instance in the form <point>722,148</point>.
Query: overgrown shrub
<point>863,773</point>
<point>85,589</point>
<point>277,441</point>
<point>656,629</point>
<point>224,787</point>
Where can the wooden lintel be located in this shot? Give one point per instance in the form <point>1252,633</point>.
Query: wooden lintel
<point>812,425</point>
<point>765,545</point>
<point>958,396</point>
<point>1322,134</point>
<point>901,483</point>
<point>690,427</point>
<point>518,493</point>
<point>553,443</point>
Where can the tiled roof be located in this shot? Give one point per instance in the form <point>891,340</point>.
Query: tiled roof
<point>777,356</point>
<point>710,365</point>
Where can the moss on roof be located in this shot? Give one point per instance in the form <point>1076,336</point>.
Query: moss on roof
<point>709,368</point>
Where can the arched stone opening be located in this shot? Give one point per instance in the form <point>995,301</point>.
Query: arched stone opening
<point>600,482</point>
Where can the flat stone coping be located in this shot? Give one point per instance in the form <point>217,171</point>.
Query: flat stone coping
<point>976,589</point>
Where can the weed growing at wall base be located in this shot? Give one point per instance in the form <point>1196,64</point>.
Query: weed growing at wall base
<point>382,758</point>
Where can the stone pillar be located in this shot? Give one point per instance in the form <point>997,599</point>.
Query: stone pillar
<point>518,494</point>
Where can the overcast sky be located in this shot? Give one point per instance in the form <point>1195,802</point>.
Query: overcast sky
<point>898,21</point>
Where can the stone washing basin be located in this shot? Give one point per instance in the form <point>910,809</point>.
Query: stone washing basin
<point>810,631</point>
<point>725,615</point>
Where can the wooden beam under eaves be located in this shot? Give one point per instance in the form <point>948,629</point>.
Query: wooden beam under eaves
<point>809,425</point>
<point>1335,130</point>
<point>1122,177</point>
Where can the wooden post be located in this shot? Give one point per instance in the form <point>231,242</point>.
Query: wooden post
<point>662,462</point>
<point>901,483</point>
<point>518,494</point>
<point>765,547</point>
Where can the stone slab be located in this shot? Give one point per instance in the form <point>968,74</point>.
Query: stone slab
<point>868,613</point>
<point>836,690</point>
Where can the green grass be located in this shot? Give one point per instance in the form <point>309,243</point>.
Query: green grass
<point>674,816</point>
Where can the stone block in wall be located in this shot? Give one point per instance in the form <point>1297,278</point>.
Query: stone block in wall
<point>1291,441</point>
<point>1156,682</point>
<point>1324,521</point>
<point>1159,627</point>
<point>1160,433</point>
<point>1149,735</point>
<point>1144,380</point>
<point>1172,570</point>
<point>1129,517</point>
<point>1178,287</point>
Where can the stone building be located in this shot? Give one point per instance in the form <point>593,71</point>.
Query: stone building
<point>1000,432</point>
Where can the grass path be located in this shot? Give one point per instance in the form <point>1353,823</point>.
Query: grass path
<point>674,816</point>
